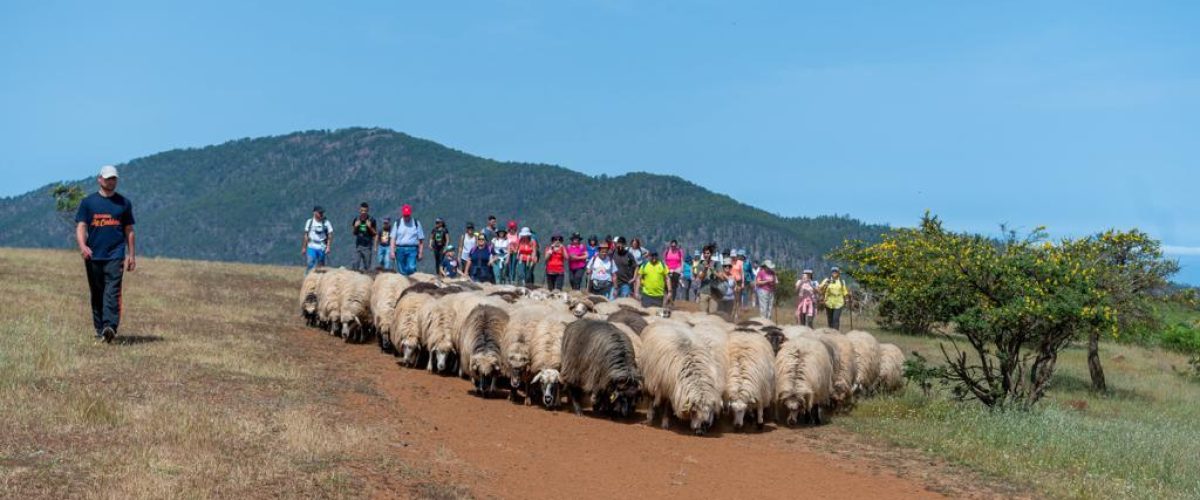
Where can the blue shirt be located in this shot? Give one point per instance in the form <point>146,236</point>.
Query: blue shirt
<point>106,219</point>
<point>407,234</point>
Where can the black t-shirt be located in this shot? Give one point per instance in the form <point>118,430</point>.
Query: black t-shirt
<point>626,266</point>
<point>106,219</point>
<point>363,230</point>
<point>439,235</point>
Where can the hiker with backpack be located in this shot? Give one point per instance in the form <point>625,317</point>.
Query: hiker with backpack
<point>408,239</point>
<point>834,291</point>
<point>363,229</point>
<point>104,233</point>
<point>601,270</point>
<point>439,238</point>
<point>318,238</point>
<point>653,278</point>
<point>383,240</point>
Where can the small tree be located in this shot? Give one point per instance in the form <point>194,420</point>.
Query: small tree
<point>66,202</point>
<point>1016,302</point>
<point>785,281</point>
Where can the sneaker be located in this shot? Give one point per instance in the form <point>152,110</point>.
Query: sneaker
<point>108,333</point>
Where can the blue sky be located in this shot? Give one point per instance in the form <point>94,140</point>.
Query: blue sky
<point>1075,115</point>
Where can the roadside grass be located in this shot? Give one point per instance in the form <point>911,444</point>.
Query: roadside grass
<point>200,396</point>
<point>1141,440</point>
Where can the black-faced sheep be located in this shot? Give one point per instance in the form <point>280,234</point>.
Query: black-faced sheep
<point>891,368</point>
<point>597,359</point>
<point>803,379</point>
<point>682,369</point>
<point>750,376</point>
<point>866,359</point>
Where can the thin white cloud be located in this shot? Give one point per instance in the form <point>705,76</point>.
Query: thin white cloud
<point>1180,250</point>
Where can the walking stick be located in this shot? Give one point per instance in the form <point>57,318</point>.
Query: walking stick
<point>850,296</point>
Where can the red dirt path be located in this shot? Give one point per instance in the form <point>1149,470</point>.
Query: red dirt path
<point>496,448</point>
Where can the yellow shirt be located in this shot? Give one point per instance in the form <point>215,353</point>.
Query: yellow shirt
<point>654,279</point>
<point>835,293</point>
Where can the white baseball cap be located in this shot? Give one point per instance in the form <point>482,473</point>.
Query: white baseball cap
<point>108,172</point>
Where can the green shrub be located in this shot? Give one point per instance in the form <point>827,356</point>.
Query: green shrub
<point>1181,337</point>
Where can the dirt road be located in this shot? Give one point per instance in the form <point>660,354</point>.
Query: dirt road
<point>495,448</point>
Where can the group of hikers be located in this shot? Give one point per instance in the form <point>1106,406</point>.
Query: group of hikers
<point>611,266</point>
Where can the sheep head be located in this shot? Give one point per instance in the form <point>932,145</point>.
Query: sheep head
<point>738,408</point>
<point>623,395</point>
<point>550,381</point>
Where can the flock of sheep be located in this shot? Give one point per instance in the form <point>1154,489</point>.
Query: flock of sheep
<point>610,354</point>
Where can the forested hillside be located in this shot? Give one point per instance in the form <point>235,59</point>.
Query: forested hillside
<point>246,200</point>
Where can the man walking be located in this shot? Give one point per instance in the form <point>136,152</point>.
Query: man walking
<point>318,237</point>
<point>626,269</point>
<point>655,287</point>
<point>489,231</point>
<point>363,228</point>
<point>383,241</point>
<point>104,232</point>
<point>408,239</point>
<point>438,239</point>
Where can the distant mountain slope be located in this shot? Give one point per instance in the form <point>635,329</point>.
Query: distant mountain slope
<point>246,200</point>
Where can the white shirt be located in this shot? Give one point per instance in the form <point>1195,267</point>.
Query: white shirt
<point>468,244</point>
<point>602,269</point>
<point>500,247</point>
<point>407,233</point>
<point>318,233</point>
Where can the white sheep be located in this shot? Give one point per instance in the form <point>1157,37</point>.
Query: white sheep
<point>891,368</point>
<point>385,292</point>
<point>750,375</point>
<point>478,343</point>
<point>683,370</point>
<point>845,366</point>
<point>546,358</point>
<point>329,299</point>
<point>803,379</point>
<point>516,345</point>
<point>406,329</point>
<point>308,295</point>
<point>354,309</point>
<point>866,357</point>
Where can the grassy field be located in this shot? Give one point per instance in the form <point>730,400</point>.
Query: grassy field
<point>200,396</point>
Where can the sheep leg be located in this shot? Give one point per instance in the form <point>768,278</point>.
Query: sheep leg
<point>650,412</point>
<point>760,416</point>
<point>575,394</point>
<point>666,417</point>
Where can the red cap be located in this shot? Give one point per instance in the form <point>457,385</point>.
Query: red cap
<point>512,224</point>
<point>406,210</point>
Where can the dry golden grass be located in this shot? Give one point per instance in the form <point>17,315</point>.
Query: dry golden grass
<point>201,396</point>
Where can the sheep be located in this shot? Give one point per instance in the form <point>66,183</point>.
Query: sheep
<point>405,330</point>
<point>845,367</point>
<point>438,320</point>
<point>329,299</point>
<point>633,319</point>
<point>803,379</point>
<point>516,345</point>
<point>308,295</point>
<point>354,310</point>
<point>891,368</point>
<point>775,336</point>
<point>546,358</point>
<point>750,375</point>
<point>866,358</point>
<point>580,304</point>
<point>598,359</point>
<point>385,292</point>
<point>479,345</point>
<point>683,370</point>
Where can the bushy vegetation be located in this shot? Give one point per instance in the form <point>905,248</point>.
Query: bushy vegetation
<point>1015,302</point>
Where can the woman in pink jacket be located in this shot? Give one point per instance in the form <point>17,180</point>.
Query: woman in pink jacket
<point>806,303</point>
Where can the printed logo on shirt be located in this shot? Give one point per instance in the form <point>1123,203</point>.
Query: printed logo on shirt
<point>104,220</point>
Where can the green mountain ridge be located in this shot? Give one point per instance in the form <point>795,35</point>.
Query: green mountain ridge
<point>247,199</point>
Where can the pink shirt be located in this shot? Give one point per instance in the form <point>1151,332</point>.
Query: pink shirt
<point>764,275</point>
<point>674,259</point>
<point>577,252</point>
